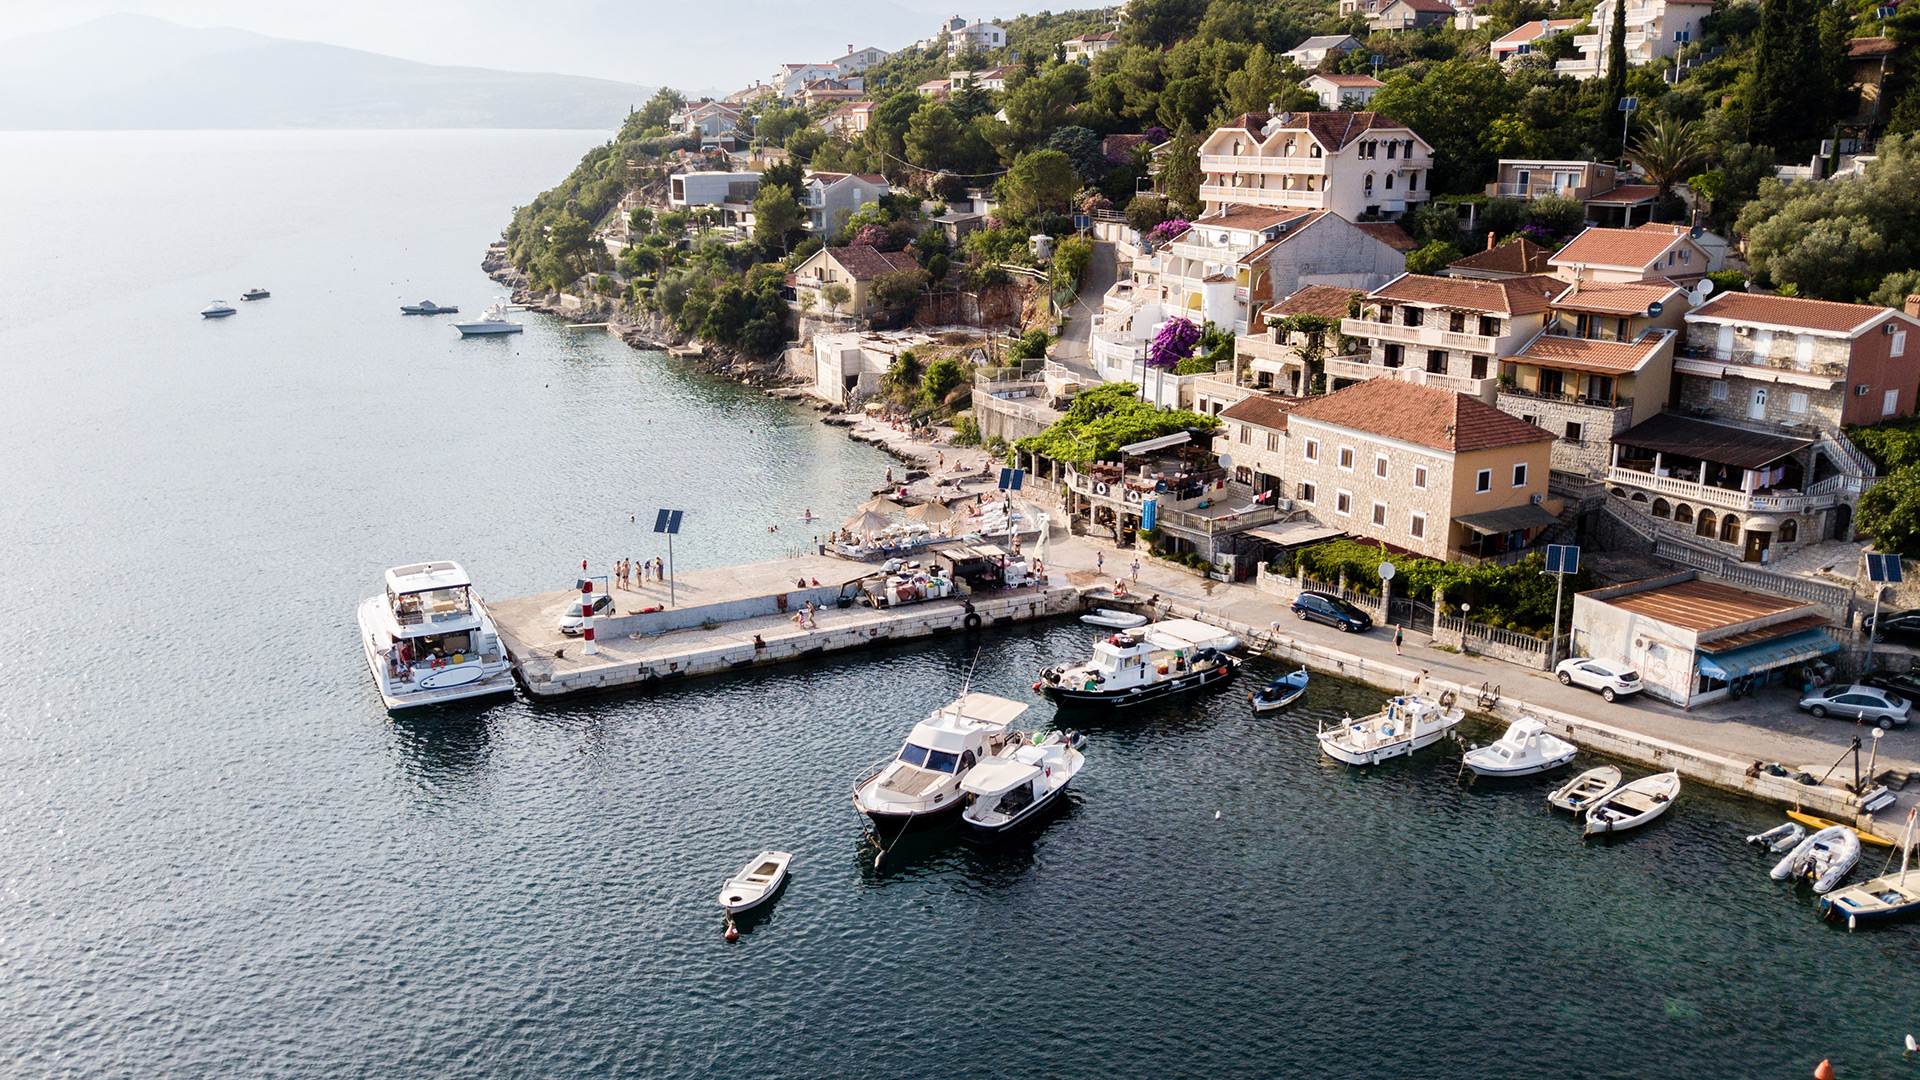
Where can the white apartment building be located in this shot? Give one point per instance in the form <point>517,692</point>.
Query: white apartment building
<point>1446,332</point>
<point>1355,164</point>
<point>858,60</point>
<point>1655,29</point>
<point>1341,91</point>
<point>791,78</point>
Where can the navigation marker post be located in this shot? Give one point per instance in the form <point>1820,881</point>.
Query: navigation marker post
<point>586,614</point>
<point>1882,571</point>
<point>1562,559</point>
<point>669,522</point>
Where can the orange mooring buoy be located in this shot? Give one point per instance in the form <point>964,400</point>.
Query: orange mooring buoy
<point>1823,1071</point>
<point>732,933</point>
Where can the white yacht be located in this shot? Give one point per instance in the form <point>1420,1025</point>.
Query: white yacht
<point>921,784</point>
<point>491,322</point>
<point>1144,664</point>
<point>219,309</point>
<point>1407,724</point>
<point>1015,788</point>
<point>1527,748</point>
<point>430,640</point>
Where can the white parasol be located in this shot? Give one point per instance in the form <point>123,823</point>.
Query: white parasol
<point>880,505</point>
<point>932,513</point>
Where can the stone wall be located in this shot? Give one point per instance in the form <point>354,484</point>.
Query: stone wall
<point>1696,395</point>
<point>1593,453</point>
<point>1396,490</point>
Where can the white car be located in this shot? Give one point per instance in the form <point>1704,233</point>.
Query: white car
<point>1611,678</point>
<point>574,619</point>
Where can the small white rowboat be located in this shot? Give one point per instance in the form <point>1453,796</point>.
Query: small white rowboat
<point>1586,789</point>
<point>1113,619</point>
<point>1780,838</point>
<point>756,882</point>
<point>1633,805</point>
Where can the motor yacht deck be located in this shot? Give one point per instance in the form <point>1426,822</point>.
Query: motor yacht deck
<point>429,639</point>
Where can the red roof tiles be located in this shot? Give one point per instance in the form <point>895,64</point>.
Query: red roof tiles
<point>1423,415</point>
<point>1787,311</point>
<point>1514,296</point>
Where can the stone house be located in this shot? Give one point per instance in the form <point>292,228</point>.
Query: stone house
<point>1356,164</point>
<point>1253,435</point>
<point>855,266</point>
<point>1275,358</point>
<point>1442,331</point>
<point>1425,470</point>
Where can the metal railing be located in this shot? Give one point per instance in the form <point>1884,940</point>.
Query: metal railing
<point>1568,399</point>
<point>1727,498</point>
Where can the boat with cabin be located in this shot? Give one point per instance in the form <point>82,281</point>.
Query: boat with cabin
<point>1146,663</point>
<point>428,307</point>
<point>219,309</point>
<point>1889,896</point>
<point>1526,749</point>
<point>1406,725</point>
<point>255,294</point>
<point>920,785</point>
<point>491,323</point>
<point>1015,788</point>
<point>429,639</point>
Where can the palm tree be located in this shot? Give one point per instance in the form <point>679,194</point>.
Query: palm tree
<point>1668,151</point>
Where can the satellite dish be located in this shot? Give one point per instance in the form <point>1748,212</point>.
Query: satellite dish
<point>1695,232</point>
<point>1386,571</point>
<point>1654,309</point>
<point>1701,291</point>
<point>1226,461</point>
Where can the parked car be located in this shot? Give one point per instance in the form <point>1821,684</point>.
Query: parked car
<point>1894,626</point>
<point>1611,678</point>
<point>1335,612</point>
<point>1906,685</point>
<point>571,623</point>
<point>1859,702</point>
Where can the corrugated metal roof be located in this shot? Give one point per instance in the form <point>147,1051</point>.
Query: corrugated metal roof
<point>1703,605</point>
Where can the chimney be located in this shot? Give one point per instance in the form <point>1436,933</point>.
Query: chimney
<point>1913,305</point>
<point>1489,240</point>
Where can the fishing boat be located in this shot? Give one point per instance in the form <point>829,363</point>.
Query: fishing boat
<point>428,307</point>
<point>491,323</point>
<point>920,784</point>
<point>1885,897</point>
<point>1812,821</point>
<point>756,882</point>
<point>1826,856</point>
<point>1146,663</point>
<point>1407,724</point>
<point>1114,620</point>
<point>1016,787</point>
<point>1525,750</point>
<point>255,294</point>
<point>1634,805</point>
<point>219,309</point>
<point>1781,837</point>
<point>430,640</point>
<point>1586,789</point>
<point>1280,693</point>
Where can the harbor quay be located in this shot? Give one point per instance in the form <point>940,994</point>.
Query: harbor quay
<point>739,616</point>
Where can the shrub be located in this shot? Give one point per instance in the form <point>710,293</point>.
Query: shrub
<point>1172,343</point>
<point>965,431</point>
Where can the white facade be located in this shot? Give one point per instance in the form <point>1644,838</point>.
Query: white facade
<point>791,77</point>
<point>1336,91</point>
<point>1221,266</point>
<point>707,188</point>
<point>1355,164</point>
<point>981,35</point>
<point>1655,29</point>
<point>858,60</point>
<point>827,196</point>
<point>1309,53</point>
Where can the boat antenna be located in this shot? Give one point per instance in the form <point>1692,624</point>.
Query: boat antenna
<point>968,681</point>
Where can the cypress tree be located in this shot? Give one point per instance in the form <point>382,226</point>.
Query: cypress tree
<point>1617,55</point>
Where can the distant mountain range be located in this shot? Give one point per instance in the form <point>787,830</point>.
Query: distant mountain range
<point>134,72</point>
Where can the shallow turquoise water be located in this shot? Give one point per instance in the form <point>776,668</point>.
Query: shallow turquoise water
<point>219,857</point>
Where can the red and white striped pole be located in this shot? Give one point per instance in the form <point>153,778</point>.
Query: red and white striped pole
<point>586,611</point>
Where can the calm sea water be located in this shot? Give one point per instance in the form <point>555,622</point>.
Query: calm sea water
<point>219,857</point>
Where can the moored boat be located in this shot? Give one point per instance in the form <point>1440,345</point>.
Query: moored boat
<point>429,639</point>
<point>756,882</point>
<point>1016,787</point>
<point>1825,856</point>
<point>1280,693</point>
<point>1889,896</point>
<point>1633,805</point>
<point>920,784</point>
<point>1814,821</point>
<point>1780,838</point>
<point>1113,619</point>
<point>1586,789</point>
<point>1527,748</point>
<point>492,323</point>
<point>1406,725</point>
<point>219,309</point>
<point>1147,663</point>
<point>255,294</point>
<point>428,307</point>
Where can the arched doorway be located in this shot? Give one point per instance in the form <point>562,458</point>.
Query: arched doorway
<point>1662,509</point>
<point>1707,525</point>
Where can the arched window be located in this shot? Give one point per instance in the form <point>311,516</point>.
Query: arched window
<point>1730,529</point>
<point>1705,526</point>
<point>1369,183</point>
<point>1662,509</point>
<point>1789,531</point>
<point>1683,514</point>
<point>1638,496</point>
<point>1620,493</point>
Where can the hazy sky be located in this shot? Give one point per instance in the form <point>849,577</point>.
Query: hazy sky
<point>691,44</point>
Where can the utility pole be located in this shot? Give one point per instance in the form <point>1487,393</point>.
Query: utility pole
<point>1562,559</point>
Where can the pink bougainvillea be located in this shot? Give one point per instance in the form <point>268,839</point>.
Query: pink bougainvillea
<point>874,236</point>
<point>1167,230</point>
<point>1172,343</point>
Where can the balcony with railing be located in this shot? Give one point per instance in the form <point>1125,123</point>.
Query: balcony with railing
<point>1267,196</point>
<point>1819,497</point>
<point>1613,404</point>
<point>1531,190</point>
<point>1425,337</point>
<point>1351,368</point>
<point>1227,163</point>
<point>1780,356</point>
<point>1266,351</point>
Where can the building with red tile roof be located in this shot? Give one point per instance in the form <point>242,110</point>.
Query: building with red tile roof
<point>1356,164</point>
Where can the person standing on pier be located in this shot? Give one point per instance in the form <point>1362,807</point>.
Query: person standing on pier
<point>1099,562</point>
<point>1399,635</point>
<point>1136,569</point>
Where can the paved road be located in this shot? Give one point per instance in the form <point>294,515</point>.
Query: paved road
<point>1071,350</point>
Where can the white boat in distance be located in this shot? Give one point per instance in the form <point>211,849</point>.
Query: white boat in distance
<point>756,882</point>
<point>219,309</point>
<point>429,639</point>
<point>921,784</point>
<point>1525,750</point>
<point>1586,789</point>
<point>1407,724</point>
<point>1634,805</point>
<point>491,322</point>
<point>1016,787</point>
<point>1826,856</point>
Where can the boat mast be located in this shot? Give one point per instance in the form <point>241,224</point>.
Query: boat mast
<point>1906,845</point>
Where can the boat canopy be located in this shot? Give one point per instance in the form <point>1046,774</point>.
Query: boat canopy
<point>997,776</point>
<point>983,710</point>
<point>1186,634</point>
<point>427,576</point>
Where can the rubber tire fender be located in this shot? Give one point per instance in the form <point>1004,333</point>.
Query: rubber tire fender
<point>972,620</point>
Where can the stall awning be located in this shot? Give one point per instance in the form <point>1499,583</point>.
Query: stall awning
<point>1160,443</point>
<point>1495,522</point>
<point>1767,655</point>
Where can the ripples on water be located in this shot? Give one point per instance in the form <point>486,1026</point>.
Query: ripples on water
<point>218,856</point>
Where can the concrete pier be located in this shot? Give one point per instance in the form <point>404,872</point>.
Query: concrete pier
<point>736,617</point>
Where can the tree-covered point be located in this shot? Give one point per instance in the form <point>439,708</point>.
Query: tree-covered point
<point>1105,418</point>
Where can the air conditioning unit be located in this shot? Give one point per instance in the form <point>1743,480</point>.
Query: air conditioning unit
<point>1743,331</point>
<point>1538,498</point>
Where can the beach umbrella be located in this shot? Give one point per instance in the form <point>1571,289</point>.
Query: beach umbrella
<point>867,522</point>
<point>881,505</point>
<point>1040,550</point>
<point>931,513</point>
